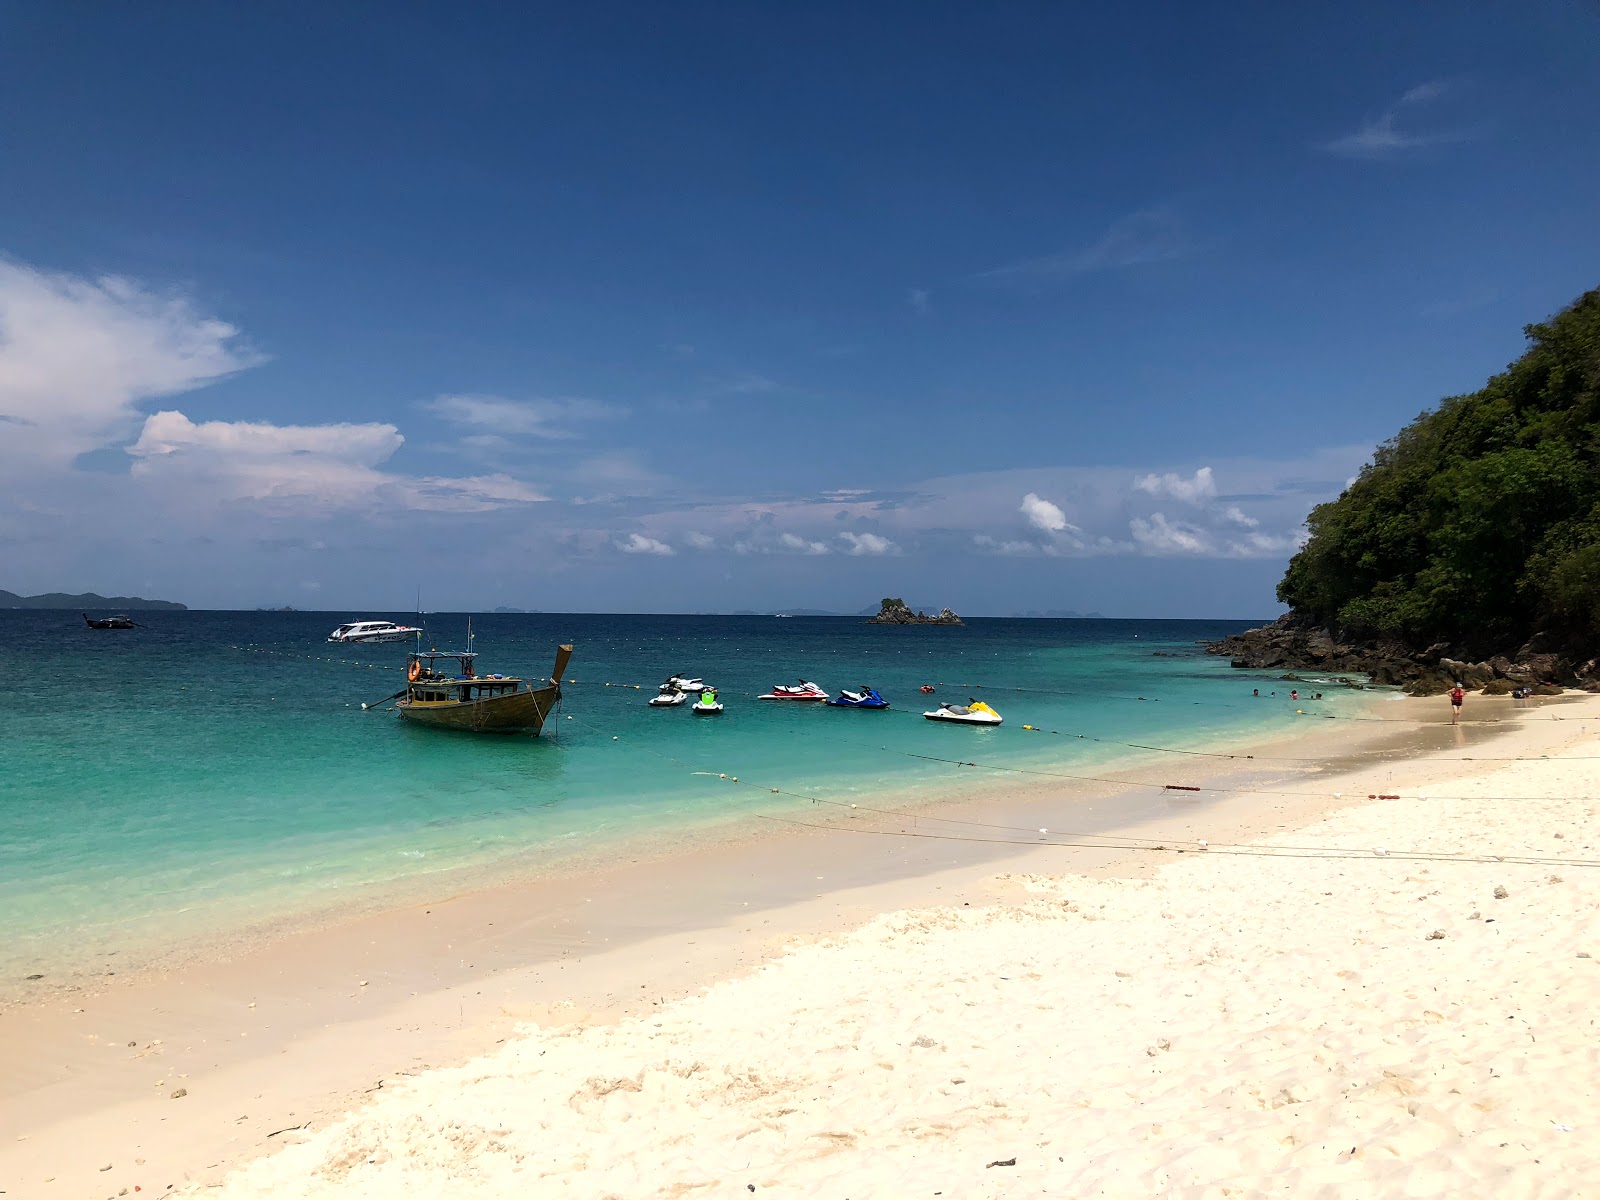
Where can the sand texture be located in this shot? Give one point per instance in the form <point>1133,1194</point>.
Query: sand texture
<point>1233,1024</point>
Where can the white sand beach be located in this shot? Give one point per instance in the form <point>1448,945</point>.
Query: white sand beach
<point>1388,997</point>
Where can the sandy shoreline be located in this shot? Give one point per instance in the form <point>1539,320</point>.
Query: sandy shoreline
<point>299,1032</point>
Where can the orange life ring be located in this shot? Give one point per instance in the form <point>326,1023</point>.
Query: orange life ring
<point>415,670</point>
<point>926,689</point>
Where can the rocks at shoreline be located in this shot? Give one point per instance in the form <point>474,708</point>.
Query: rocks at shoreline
<point>1294,643</point>
<point>895,612</point>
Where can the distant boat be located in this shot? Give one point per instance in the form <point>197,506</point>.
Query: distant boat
<point>120,621</point>
<point>372,631</point>
<point>463,699</point>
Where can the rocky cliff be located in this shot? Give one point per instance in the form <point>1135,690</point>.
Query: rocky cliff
<point>895,612</point>
<point>1293,643</point>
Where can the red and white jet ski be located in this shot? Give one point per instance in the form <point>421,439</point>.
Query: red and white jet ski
<point>805,691</point>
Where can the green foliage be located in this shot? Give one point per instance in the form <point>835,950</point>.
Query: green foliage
<point>1479,522</point>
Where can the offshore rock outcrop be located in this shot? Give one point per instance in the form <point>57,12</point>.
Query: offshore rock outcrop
<point>1294,643</point>
<point>893,611</point>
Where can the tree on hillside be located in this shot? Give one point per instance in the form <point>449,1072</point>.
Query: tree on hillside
<point>1479,522</point>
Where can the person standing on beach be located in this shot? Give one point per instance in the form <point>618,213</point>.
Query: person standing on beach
<point>1457,695</point>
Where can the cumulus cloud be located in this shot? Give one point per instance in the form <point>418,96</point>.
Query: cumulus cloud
<point>318,467</point>
<point>867,543</point>
<point>700,541</point>
<point>795,544</point>
<point>496,416</point>
<point>1234,515</point>
<point>1042,514</point>
<point>637,543</point>
<point>1160,536</point>
<point>1197,490</point>
<point>78,355</point>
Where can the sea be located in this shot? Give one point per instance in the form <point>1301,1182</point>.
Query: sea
<point>211,774</point>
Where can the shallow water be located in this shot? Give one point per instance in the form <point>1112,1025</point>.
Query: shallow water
<point>214,771</point>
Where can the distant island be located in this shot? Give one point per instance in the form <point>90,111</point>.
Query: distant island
<point>85,600</point>
<point>1468,549</point>
<point>503,609</point>
<point>893,611</point>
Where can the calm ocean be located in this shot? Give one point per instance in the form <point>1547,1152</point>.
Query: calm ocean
<point>214,771</point>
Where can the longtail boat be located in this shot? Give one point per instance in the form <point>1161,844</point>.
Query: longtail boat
<point>463,699</point>
<point>117,622</point>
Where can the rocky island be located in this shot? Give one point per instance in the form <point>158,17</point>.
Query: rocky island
<point>893,611</point>
<point>1468,549</point>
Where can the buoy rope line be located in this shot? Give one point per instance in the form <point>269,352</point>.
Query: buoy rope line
<point>1103,841</point>
<point>347,662</point>
<point>1093,695</point>
<point>1182,846</point>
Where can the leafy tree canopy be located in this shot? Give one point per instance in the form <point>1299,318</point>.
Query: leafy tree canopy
<point>1479,522</point>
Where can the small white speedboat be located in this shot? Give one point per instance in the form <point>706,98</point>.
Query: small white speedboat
<point>708,705</point>
<point>668,697</point>
<point>372,631</point>
<point>974,712</point>
<point>805,691</point>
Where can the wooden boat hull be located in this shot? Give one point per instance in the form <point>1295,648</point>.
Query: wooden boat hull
<point>516,712</point>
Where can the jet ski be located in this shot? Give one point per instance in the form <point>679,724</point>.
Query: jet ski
<point>668,697</point>
<point>865,698</point>
<point>973,712</point>
<point>806,691</point>
<point>684,683</point>
<point>708,705</point>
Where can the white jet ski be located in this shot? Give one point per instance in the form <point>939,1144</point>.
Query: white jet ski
<point>708,705</point>
<point>668,697</point>
<point>687,684</point>
<point>974,712</point>
<point>806,691</point>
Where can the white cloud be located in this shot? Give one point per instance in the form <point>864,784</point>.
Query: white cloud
<point>77,355</point>
<point>867,543</point>
<point>637,543</point>
<point>474,493</point>
<point>316,467</point>
<point>538,418</point>
<point>1150,236</point>
<point>1012,548</point>
<point>1160,536</point>
<point>700,541</point>
<point>1044,515</point>
<point>1264,545</point>
<point>1383,137</point>
<point>920,300</point>
<point>1198,490</point>
<point>1234,515</point>
<point>799,545</point>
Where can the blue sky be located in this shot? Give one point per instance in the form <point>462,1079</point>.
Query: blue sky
<point>724,306</point>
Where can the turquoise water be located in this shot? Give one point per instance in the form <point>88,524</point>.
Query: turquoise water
<point>215,772</point>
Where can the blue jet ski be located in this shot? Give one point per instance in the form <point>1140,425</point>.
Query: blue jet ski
<point>865,698</point>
